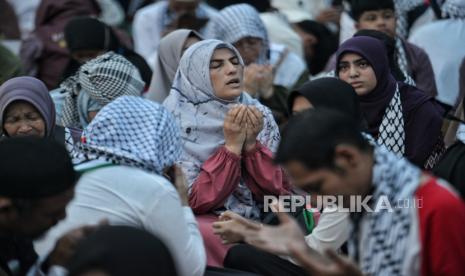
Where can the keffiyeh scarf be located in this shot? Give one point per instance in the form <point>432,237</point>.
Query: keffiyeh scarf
<point>134,132</point>
<point>237,22</point>
<point>391,130</point>
<point>104,79</point>
<point>386,234</point>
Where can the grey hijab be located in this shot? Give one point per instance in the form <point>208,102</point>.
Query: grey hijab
<point>168,56</point>
<point>201,115</point>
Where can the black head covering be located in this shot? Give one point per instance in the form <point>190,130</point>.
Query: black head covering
<point>326,46</point>
<point>260,5</point>
<point>88,33</point>
<point>34,168</point>
<point>122,250</point>
<point>330,93</point>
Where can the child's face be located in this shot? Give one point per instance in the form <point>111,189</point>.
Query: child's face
<point>379,20</point>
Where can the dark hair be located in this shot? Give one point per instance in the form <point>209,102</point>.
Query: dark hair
<point>34,168</point>
<point>311,138</point>
<point>122,250</point>
<point>358,7</point>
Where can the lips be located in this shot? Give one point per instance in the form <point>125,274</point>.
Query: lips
<point>233,81</point>
<point>356,84</point>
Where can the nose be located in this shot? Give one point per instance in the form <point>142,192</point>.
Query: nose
<point>24,128</point>
<point>231,68</point>
<point>381,22</point>
<point>353,73</point>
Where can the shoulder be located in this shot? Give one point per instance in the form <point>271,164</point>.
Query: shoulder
<point>118,176</point>
<point>437,197</point>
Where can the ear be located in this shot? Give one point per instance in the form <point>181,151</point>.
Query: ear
<point>346,156</point>
<point>357,26</point>
<point>5,203</point>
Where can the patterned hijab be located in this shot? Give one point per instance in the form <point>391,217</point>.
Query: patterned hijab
<point>236,22</point>
<point>454,9</point>
<point>201,116</point>
<point>104,79</point>
<point>33,91</point>
<point>134,132</point>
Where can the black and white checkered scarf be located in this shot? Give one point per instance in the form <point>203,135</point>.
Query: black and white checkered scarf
<point>104,78</point>
<point>380,244</point>
<point>391,130</point>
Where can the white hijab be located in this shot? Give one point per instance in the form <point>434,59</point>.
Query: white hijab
<point>201,116</point>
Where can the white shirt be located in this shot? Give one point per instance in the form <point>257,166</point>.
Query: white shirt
<point>444,42</point>
<point>133,197</point>
<point>331,232</point>
<point>148,26</point>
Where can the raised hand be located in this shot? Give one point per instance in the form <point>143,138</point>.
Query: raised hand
<point>254,126</point>
<point>234,129</point>
<point>265,79</point>
<point>251,83</point>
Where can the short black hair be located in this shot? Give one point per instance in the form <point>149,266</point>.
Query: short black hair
<point>358,7</point>
<point>34,168</point>
<point>312,136</point>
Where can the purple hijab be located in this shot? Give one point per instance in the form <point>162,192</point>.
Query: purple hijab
<point>33,91</point>
<point>422,115</point>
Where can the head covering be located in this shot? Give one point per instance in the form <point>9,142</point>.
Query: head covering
<point>454,9</point>
<point>9,25</point>
<point>236,22</point>
<point>168,56</point>
<point>329,93</point>
<point>395,104</point>
<point>104,78</point>
<point>87,33</point>
<point>201,116</point>
<point>373,104</point>
<point>49,168</point>
<point>122,250</point>
<point>391,45</point>
<point>134,132</point>
<point>33,91</point>
<point>326,46</point>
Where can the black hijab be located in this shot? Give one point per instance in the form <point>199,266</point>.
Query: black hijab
<point>87,33</point>
<point>330,93</point>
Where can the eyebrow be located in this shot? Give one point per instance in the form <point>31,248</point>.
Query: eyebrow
<point>354,62</point>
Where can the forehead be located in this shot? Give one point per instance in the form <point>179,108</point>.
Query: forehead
<point>376,12</point>
<point>223,53</point>
<point>20,106</point>
<point>350,57</point>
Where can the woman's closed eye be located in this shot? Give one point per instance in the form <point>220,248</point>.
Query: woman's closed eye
<point>216,64</point>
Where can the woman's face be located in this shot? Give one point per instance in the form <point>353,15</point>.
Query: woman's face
<point>356,71</point>
<point>226,74</point>
<point>249,48</point>
<point>23,119</point>
<point>300,104</point>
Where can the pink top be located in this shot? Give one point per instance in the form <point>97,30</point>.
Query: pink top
<point>221,173</point>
